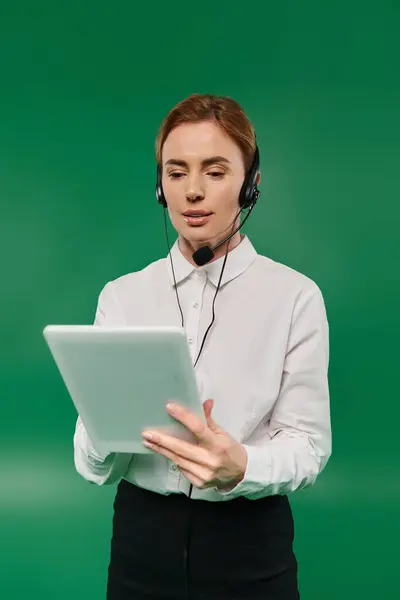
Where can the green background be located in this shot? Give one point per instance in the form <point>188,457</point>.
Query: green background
<point>84,87</point>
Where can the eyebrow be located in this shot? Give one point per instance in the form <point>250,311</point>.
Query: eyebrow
<point>204,163</point>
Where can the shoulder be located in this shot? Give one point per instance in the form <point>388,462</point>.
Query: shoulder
<point>294,293</point>
<point>143,277</point>
<point>283,278</point>
<point>134,282</point>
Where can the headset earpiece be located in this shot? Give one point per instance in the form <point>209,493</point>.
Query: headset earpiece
<point>249,192</point>
<point>159,191</point>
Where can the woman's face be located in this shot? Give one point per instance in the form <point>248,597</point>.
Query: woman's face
<point>202,171</point>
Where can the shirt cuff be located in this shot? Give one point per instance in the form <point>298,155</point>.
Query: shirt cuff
<point>258,462</point>
<point>93,455</point>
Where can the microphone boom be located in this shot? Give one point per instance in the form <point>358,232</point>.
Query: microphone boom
<point>204,254</point>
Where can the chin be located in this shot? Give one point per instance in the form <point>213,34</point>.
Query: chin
<point>198,237</point>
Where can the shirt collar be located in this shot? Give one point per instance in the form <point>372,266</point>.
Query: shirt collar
<point>238,260</point>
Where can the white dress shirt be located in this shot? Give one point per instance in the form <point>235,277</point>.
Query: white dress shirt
<point>264,363</point>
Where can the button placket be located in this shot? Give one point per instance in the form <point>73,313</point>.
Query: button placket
<point>194,313</point>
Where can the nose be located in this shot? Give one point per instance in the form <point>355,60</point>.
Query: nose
<point>194,191</point>
<point>194,196</point>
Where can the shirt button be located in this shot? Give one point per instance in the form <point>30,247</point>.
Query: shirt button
<point>174,467</point>
<point>190,340</point>
<point>196,305</point>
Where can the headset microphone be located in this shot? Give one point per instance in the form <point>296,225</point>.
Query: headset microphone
<point>204,254</point>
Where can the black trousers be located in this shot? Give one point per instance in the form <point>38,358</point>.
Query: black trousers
<point>238,549</point>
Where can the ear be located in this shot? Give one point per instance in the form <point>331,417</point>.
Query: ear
<point>258,178</point>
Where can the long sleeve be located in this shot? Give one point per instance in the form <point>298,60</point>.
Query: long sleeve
<point>102,469</point>
<point>297,442</point>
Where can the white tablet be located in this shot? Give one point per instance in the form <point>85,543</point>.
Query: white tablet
<point>121,379</point>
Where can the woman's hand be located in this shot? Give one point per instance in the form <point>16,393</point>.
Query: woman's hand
<point>216,461</point>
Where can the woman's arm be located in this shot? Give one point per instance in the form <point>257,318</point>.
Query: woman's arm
<point>102,469</point>
<point>297,442</point>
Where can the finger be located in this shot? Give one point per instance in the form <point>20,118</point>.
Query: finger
<point>199,483</point>
<point>193,471</point>
<point>194,423</point>
<point>181,448</point>
<point>192,451</point>
<point>208,406</point>
<point>192,478</point>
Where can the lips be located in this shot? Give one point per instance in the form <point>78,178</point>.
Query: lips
<point>197,219</point>
<point>196,213</point>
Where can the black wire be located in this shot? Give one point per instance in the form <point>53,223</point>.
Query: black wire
<point>172,264</point>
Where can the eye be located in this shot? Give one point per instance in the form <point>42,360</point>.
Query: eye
<point>175,175</point>
<point>216,174</point>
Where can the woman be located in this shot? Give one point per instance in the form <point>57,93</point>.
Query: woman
<point>212,520</point>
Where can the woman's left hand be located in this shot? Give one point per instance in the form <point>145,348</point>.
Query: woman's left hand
<point>216,461</point>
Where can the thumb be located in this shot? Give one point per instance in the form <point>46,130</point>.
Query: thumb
<point>208,406</point>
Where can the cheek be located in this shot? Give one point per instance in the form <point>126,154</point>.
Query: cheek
<point>224,193</point>
<point>170,194</point>
<point>228,201</point>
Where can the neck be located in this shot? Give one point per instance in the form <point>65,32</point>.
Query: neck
<point>187,248</point>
